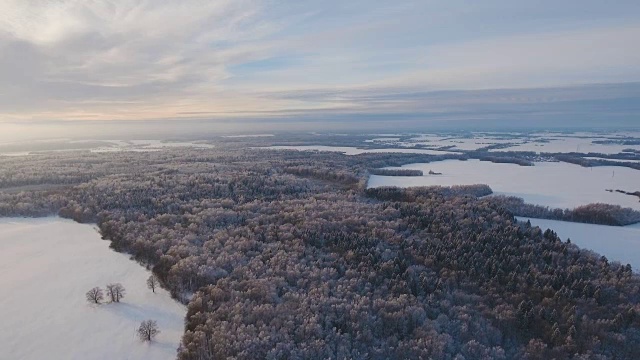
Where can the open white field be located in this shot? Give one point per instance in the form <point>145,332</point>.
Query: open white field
<point>582,142</point>
<point>101,146</point>
<point>553,184</point>
<point>569,144</point>
<point>46,267</point>
<point>617,243</point>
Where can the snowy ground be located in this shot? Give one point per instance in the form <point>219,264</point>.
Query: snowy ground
<point>110,146</point>
<point>582,142</point>
<point>460,143</point>
<point>617,243</point>
<point>568,144</point>
<point>553,184</point>
<point>46,267</point>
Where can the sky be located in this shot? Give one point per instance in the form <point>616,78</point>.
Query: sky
<point>320,62</point>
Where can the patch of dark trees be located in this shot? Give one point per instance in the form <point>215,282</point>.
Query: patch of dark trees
<point>598,213</point>
<point>392,193</point>
<point>635,193</point>
<point>396,172</point>
<point>579,159</point>
<point>628,141</point>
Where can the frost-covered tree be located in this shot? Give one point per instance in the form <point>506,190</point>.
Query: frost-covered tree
<point>148,330</point>
<point>152,282</point>
<point>115,292</point>
<point>95,295</point>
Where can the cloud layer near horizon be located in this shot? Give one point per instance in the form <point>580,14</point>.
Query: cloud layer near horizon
<point>137,59</point>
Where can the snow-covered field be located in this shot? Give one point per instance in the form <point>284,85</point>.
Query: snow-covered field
<point>617,243</point>
<point>460,143</point>
<point>150,145</point>
<point>582,142</point>
<point>46,267</point>
<point>553,184</point>
<point>568,144</point>
<point>112,146</point>
<point>347,150</point>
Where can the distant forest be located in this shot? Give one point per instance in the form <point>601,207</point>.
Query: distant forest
<point>286,255</point>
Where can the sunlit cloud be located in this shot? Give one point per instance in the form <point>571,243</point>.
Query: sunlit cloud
<point>135,59</point>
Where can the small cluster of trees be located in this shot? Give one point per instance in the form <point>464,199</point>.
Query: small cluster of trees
<point>148,329</point>
<point>114,292</point>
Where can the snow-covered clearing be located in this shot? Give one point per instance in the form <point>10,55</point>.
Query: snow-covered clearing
<point>617,243</point>
<point>46,267</point>
<point>347,150</point>
<point>582,142</point>
<point>553,184</point>
<point>570,144</point>
<point>460,143</point>
<point>159,144</point>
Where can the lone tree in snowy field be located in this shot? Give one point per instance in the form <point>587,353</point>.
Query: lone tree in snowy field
<point>152,283</point>
<point>148,330</point>
<point>95,295</point>
<point>115,292</point>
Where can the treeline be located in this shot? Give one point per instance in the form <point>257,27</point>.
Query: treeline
<point>505,160</point>
<point>396,172</point>
<point>31,204</point>
<point>628,141</point>
<point>285,261</point>
<point>392,193</point>
<point>580,160</point>
<point>598,213</point>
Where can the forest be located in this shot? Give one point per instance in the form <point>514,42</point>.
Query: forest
<point>286,255</point>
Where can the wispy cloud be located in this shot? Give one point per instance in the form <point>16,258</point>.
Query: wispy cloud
<point>142,59</point>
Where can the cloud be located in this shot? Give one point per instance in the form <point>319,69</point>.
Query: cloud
<point>142,59</point>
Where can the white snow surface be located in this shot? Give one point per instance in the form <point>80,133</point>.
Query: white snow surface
<point>553,184</point>
<point>569,144</point>
<point>46,267</point>
<point>617,243</point>
<point>537,142</point>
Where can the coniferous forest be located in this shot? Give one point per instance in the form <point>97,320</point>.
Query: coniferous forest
<point>287,255</point>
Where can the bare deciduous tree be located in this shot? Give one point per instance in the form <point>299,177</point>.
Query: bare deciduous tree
<point>152,283</point>
<point>95,295</point>
<point>115,292</point>
<point>148,330</point>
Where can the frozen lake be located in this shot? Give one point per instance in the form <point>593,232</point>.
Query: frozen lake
<point>46,267</point>
<point>553,184</point>
<point>617,243</point>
